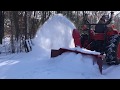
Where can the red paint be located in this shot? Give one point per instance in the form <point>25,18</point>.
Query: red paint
<point>76,37</point>
<point>118,51</point>
<point>98,36</point>
<point>112,32</point>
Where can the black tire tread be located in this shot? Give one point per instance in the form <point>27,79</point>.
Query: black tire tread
<point>111,50</point>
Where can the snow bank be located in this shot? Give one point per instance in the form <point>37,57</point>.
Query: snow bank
<point>55,33</point>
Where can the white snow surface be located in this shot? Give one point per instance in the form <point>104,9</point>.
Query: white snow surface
<point>37,64</point>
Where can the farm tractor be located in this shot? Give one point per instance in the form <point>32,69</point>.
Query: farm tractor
<point>107,43</point>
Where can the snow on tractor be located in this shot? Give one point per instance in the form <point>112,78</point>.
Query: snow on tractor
<point>107,43</point>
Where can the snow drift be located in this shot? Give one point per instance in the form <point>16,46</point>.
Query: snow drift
<point>55,33</point>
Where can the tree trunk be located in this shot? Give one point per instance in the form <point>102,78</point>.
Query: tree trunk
<point>58,12</point>
<point>15,16</point>
<point>1,26</point>
<point>12,34</point>
<point>25,29</point>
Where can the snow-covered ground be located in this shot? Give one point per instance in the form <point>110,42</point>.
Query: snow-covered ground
<point>37,64</point>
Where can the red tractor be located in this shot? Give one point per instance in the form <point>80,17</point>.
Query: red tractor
<point>107,43</point>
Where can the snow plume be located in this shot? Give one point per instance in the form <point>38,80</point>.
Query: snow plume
<point>55,33</point>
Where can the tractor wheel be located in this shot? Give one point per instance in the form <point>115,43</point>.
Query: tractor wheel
<point>113,50</point>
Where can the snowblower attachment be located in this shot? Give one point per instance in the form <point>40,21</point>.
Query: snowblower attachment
<point>76,36</point>
<point>97,58</point>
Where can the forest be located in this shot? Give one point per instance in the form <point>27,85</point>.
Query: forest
<point>18,28</point>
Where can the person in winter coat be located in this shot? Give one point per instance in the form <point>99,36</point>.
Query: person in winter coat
<point>102,28</point>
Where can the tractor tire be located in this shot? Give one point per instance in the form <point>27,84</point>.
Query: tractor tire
<point>112,51</point>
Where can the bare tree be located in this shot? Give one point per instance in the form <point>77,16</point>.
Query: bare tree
<point>1,25</point>
<point>15,18</point>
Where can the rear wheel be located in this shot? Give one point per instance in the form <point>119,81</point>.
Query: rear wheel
<point>113,50</point>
